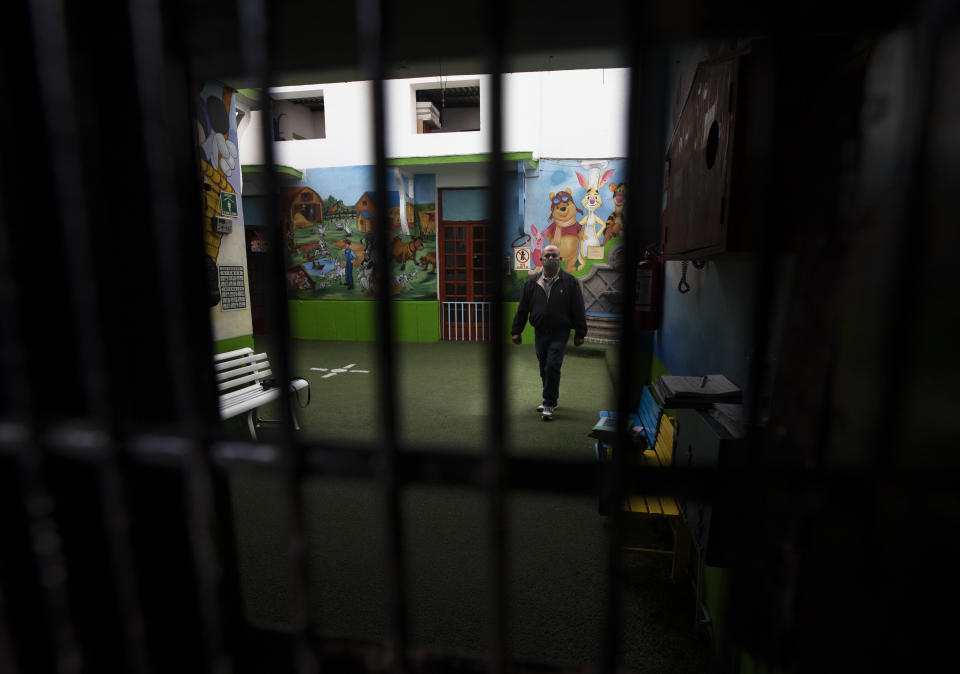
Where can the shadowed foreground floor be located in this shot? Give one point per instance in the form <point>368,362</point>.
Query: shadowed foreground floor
<point>556,543</point>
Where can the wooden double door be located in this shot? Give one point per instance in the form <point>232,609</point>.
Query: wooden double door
<point>465,281</point>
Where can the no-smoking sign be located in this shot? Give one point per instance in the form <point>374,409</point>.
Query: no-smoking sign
<point>521,259</point>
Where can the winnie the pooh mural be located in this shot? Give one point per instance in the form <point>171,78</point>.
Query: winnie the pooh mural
<point>564,231</point>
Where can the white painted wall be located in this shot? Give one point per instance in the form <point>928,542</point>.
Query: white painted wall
<point>566,114</point>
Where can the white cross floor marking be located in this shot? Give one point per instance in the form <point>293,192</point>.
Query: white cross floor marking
<point>337,370</point>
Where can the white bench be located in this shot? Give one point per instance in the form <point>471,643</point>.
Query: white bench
<point>240,375</point>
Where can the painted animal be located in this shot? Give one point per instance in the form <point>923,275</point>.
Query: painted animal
<point>614,226</point>
<point>564,231</point>
<point>405,280</point>
<point>308,250</point>
<point>405,252</point>
<point>591,201</point>
<point>537,249</point>
<point>428,259</point>
<point>365,278</point>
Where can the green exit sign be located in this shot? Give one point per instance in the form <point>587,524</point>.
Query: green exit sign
<point>228,204</point>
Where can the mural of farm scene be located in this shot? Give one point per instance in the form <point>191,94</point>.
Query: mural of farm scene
<point>576,205</point>
<point>328,225</point>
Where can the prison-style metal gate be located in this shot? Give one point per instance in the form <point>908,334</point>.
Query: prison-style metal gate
<point>117,551</point>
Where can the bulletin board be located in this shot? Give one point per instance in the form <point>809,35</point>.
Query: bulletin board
<point>233,295</point>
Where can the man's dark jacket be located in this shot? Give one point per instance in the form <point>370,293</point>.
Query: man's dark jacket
<point>562,313</point>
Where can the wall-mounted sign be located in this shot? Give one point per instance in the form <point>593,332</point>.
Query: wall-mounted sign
<point>233,295</point>
<point>228,204</point>
<point>521,259</point>
<point>224,225</point>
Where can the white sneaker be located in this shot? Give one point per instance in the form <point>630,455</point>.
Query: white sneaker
<point>541,406</point>
<point>547,413</point>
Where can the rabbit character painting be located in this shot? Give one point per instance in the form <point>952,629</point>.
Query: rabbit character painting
<point>564,231</point>
<point>591,222</point>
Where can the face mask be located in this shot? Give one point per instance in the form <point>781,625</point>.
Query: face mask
<point>551,265</point>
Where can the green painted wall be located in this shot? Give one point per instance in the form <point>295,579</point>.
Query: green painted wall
<point>657,369</point>
<point>356,321</point>
<point>223,345</point>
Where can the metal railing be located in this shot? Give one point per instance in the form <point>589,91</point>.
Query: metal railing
<point>465,321</point>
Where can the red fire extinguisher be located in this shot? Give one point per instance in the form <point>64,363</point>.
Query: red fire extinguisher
<point>646,313</point>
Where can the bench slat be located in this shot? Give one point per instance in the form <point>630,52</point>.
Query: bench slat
<point>239,406</point>
<point>240,361</point>
<point>666,439</point>
<point>256,376</point>
<point>232,354</point>
<point>251,391</point>
<point>237,372</point>
<point>649,414</point>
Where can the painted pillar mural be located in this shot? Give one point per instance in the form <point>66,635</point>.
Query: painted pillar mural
<point>328,225</point>
<point>219,160</point>
<point>223,228</point>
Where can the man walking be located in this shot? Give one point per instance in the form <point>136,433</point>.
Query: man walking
<point>554,302</point>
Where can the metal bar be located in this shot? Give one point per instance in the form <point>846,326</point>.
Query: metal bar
<point>53,74</point>
<point>46,549</point>
<point>16,386</point>
<point>933,38</point>
<point>371,20</point>
<point>256,32</point>
<point>167,208</point>
<point>6,644</point>
<point>59,115</point>
<point>496,450</point>
<point>645,168</point>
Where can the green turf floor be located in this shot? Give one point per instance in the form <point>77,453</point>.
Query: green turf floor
<point>556,543</point>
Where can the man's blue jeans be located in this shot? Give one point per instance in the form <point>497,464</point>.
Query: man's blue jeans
<point>550,349</point>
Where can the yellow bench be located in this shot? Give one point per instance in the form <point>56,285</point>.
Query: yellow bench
<point>658,457</point>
